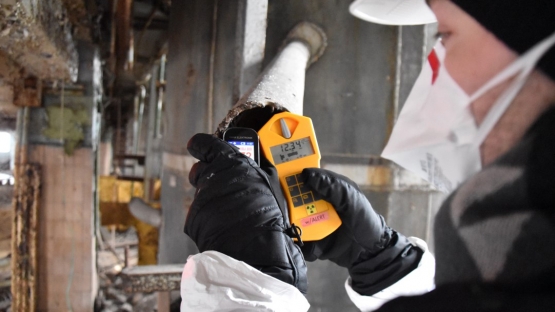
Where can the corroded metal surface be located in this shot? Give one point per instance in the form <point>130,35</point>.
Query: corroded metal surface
<point>283,81</point>
<point>37,35</point>
<point>27,92</point>
<point>24,237</point>
<point>79,18</point>
<point>149,278</point>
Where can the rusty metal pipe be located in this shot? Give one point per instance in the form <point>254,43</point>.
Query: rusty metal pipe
<point>124,36</point>
<point>25,202</point>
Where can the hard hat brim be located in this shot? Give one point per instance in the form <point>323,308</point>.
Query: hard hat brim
<point>393,12</point>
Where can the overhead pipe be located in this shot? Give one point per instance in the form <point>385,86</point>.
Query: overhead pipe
<point>282,81</point>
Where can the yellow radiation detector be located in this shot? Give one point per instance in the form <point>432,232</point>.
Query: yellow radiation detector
<point>288,141</point>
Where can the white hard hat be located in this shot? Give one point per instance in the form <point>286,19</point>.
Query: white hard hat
<point>393,12</point>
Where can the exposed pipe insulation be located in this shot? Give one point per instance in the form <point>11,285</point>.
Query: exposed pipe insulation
<point>283,80</point>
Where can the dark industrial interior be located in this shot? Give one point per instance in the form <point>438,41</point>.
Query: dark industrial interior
<point>98,99</point>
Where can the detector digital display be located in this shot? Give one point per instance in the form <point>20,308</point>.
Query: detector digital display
<point>245,139</point>
<point>292,150</point>
<point>246,148</point>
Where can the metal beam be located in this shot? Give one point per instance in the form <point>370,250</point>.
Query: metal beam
<point>283,80</point>
<point>124,37</point>
<point>24,237</point>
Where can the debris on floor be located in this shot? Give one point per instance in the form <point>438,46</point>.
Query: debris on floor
<point>120,247</point>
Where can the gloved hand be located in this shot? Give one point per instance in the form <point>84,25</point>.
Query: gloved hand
<point>238,211</point>
<point>375,255</point>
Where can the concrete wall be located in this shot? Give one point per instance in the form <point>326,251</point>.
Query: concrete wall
<point>67,245</point>
<point>202,85</point>
<point>67,258</point>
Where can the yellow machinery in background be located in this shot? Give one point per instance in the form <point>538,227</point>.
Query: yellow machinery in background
<point>115,196</point>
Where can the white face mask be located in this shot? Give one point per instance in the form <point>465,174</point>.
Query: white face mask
<point>435,135</point>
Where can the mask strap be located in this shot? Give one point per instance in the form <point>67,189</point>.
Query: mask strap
<point>525,64</point>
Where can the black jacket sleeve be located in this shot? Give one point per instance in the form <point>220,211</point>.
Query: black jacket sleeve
<point>375,255</point>
<point>238,211</point>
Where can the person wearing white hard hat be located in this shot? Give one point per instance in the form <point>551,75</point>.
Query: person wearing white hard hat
<point>480,124</point>
<point>482,127</point>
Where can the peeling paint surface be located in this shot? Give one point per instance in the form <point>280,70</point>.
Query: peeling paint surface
<point>37,35</point>
<point>67,124</point>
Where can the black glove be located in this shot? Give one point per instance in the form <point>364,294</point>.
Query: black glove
<point>238,211</point>
<point>375,255</point>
